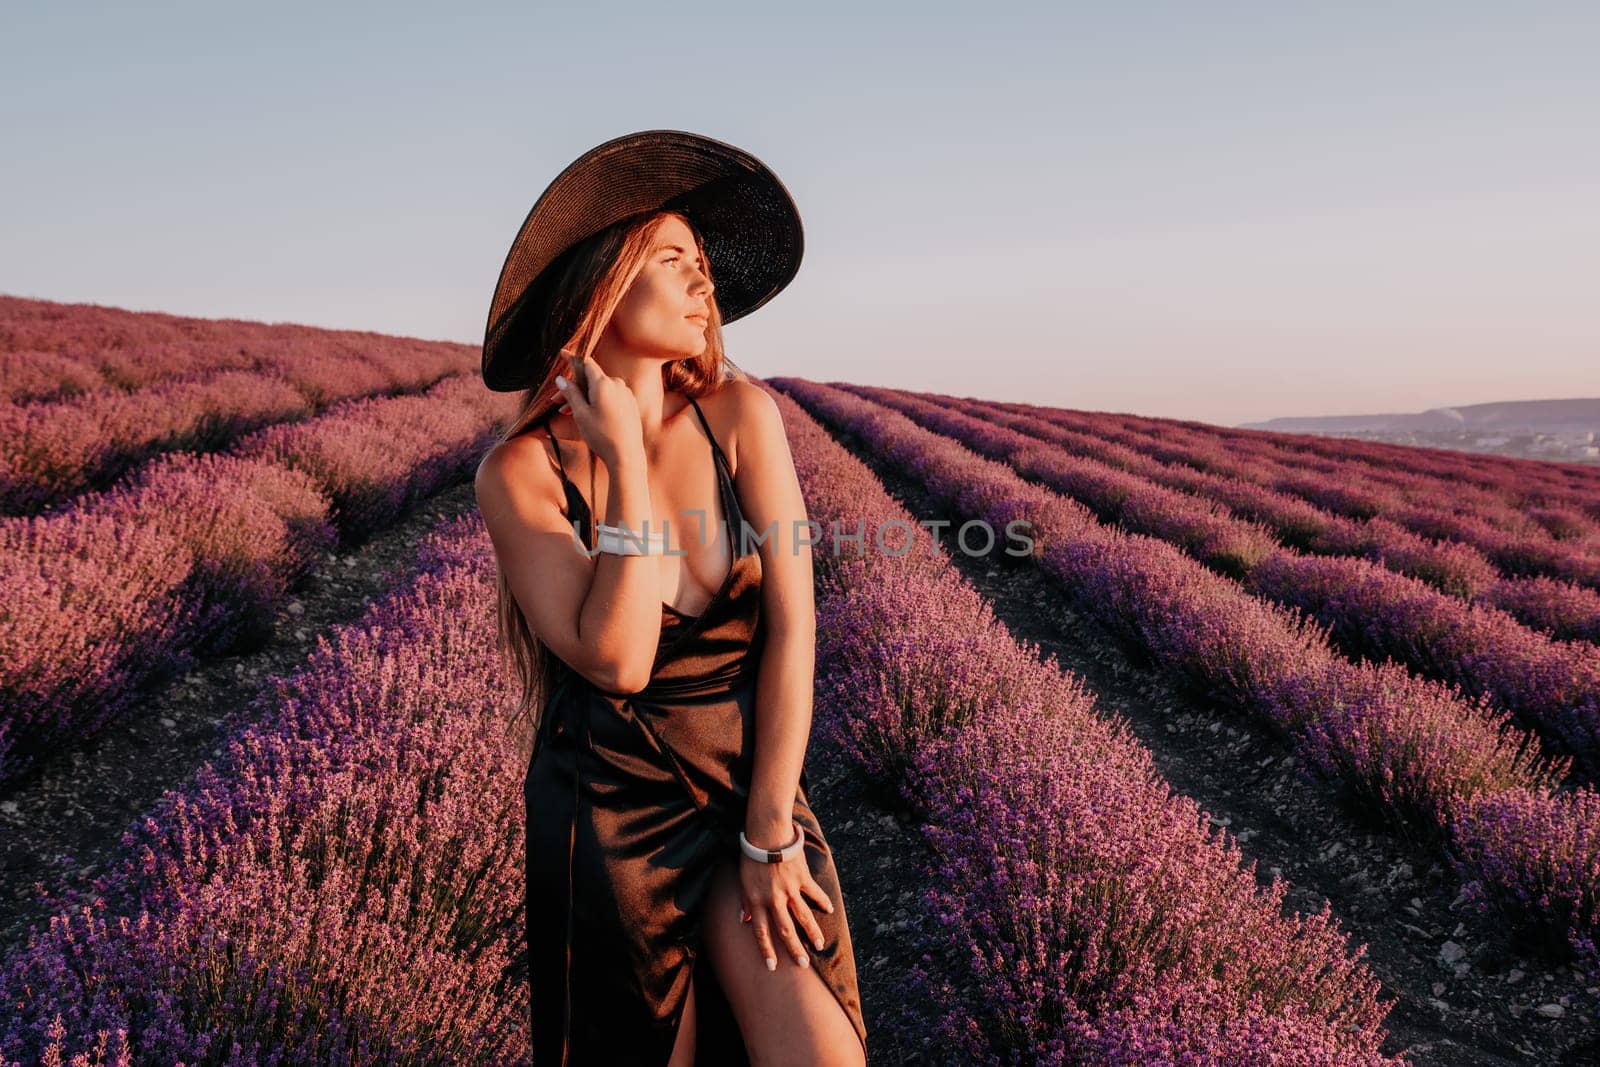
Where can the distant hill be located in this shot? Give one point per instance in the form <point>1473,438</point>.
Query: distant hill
<point>1509,416</point>
<point>1562,430</point>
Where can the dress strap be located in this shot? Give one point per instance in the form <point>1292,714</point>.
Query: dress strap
<point>557,445</point>
<point>722,457</point>
<point>733,515</point>
<point>577,507</point>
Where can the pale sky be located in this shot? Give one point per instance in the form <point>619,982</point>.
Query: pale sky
<point>1225,212</point>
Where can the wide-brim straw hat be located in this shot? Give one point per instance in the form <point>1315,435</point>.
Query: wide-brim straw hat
<point>746,219</point>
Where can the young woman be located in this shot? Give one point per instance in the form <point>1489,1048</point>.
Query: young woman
<point>656,601</point>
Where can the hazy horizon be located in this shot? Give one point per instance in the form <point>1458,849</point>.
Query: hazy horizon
<point>1230,215</point>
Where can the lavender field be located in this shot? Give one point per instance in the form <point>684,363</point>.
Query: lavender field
<point>1263,750</point>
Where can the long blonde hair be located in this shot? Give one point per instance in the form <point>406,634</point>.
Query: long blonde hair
<point>596,276</point>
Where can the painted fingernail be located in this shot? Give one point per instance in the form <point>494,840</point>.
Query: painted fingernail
<point>772,963</point>
<point>818,942</point>
<point>805,961</point>
<point>561,382</point>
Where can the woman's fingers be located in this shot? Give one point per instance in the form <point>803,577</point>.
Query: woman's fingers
<point>786,931</point>
<point>819,894</point>
<point>764,939</point>
<point>576,378</point>
<point>587,373</point>
<point>808,921</point>
<point>776,914</point>
<point>570,393</point>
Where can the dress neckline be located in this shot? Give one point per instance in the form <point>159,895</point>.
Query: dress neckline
<point>733,517</point>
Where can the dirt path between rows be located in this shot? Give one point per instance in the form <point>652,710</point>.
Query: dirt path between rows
<point>882,863</point>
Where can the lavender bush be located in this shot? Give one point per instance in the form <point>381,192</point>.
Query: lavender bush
<point>191,557</point>
<point>345,887</point>
<point>93,392</point>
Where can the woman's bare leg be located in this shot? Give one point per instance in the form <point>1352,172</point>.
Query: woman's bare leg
<point>787,1016</point>
<point>683,1047</point>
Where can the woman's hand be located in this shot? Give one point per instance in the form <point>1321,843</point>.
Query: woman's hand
<point>774,897</point>
<point>605,409</point>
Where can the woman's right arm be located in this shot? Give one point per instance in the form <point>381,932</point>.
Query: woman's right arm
<point>602,615</point>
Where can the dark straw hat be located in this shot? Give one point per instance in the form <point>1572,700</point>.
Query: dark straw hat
<point>746,219</point>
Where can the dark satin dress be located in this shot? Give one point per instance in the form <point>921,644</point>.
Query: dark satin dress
<point>633,799</point>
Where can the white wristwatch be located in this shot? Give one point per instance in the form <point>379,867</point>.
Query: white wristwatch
<point>621,541</point>
<point>774,855</point>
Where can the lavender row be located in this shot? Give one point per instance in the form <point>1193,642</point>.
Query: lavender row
<point>52,351</point>
<point>1535,497</point>
<point>50,450</point>
<point>1553,687</point>
<point>1523,483</point>
<point>1525,533</point>
<point>1104,919</point>
<point>123,589</point>
<point>346,887</point>
<point>1449,769</point>
<point>1562,609</point>
<point>1523,521</point>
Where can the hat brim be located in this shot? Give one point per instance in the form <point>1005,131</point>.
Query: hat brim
<point>745,216</point>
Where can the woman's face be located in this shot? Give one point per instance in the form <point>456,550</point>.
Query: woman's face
<point>665,311</point>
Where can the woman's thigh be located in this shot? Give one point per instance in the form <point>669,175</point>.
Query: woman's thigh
<point>683,1046</point>
<point>787,1016</point>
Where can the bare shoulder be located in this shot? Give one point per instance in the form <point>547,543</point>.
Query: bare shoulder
<point>512,471</point>
<point>744,412</point>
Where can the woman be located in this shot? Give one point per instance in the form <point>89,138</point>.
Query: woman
<point>682,903</point>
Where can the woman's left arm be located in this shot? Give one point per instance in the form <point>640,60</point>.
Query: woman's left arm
<point>769,495</point>
<point>774,895</point>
